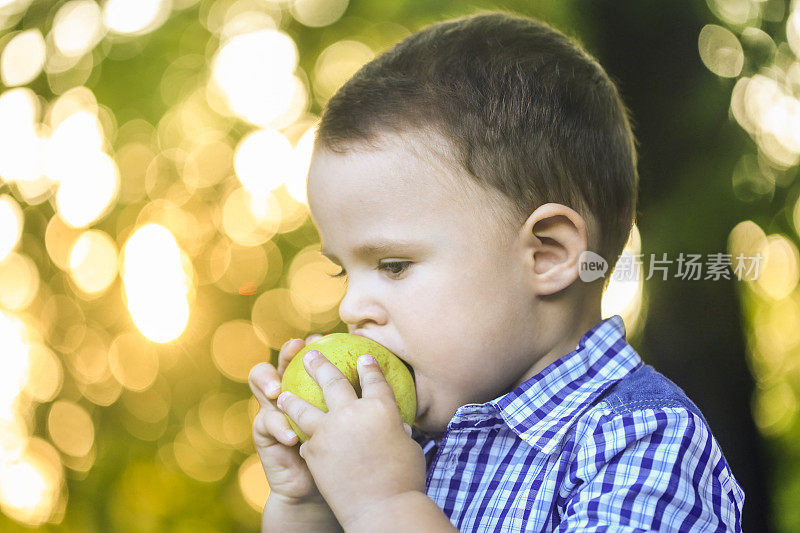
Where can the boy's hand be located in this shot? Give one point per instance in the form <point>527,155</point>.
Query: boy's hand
<point>360,452</point>
<point>287,473</point>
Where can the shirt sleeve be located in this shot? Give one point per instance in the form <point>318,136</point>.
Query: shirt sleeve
<point>649,470</point>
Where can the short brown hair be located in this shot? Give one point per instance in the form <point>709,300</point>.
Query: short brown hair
<point>527,111</point>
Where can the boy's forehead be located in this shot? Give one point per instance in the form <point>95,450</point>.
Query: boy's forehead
<point>393,177</point>
<point>397,188</point>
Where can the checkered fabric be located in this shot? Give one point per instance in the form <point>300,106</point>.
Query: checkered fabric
<point>597,441</point>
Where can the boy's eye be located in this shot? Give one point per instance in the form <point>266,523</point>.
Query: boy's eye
<point>395,268</point>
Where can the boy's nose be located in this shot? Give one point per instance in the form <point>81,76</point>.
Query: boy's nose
<point>357,310</point>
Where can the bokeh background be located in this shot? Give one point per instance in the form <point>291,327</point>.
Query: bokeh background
<point>155,242</point>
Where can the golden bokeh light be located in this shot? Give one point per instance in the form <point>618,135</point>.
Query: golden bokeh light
<point>133,160</point>
<point>87,177</point>
<point>14,365</point>
<point>70,428</point>
<point>19,281</point>
<point>279,316</point>
<point>14,435</point>
<point>259,95</point>
<point>198,454</point>
<point>253,482</point>
<point>720,51</point>
<point>190,224</point>
<point>301,159</point>
<point>771,114</point>
<point>148,410</point>
<point>82,464</point>
<point>88,363</point>
<point>336,64</point>
<point>250,220</point>
<point>318,13</point>
<point>21,146</point>
<point>212,162</point>
<point>45,375</point>
<point>93,261</point>
<point>780,268</point>
<point>31,487</point>
<point>134,16</point>
<point>623,296</point>
<point>77,27</point>
<point>212,411</point>
<point>162,180</point>
<point>236,349</point>
<point>774,336</point>
<point>263,161</point>
<point>735,12</point>
<point>775,408</point>
<point>293,213</point>
<point>796,216</point>
<point>63,322</point>
<point>103,392</point>
<point>81,101</point>
<point>237,425</point>
<point>64,72</point>
<point>13,7</point>
<point>751,180</point>
<point>59,239</point>
<point>11,223</point>
<point>244,17</point>
<point>158,280</point>
<point>133,361</point>
<point>793,31</point>
<point>746,239</point>
<point>192,120</point>
<point>233,266</point>
<point>22,58</point>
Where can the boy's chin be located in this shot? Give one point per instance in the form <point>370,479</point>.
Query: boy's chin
<point>429,427</point>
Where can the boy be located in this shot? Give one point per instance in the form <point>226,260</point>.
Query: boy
<point>457,179</point>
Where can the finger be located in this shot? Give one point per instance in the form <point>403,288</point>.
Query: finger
<point>336,389</point>
<point>307,416</point>
<point>407,428</point>
<point>264,382</point>
<point>287,352</point>
<point>312,338</point>
<point>271,425</point>
<point>373,383</point>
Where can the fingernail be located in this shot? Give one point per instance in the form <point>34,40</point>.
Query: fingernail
<point>272,387</point>
<point>282,398</point>
<point>289,434</point>
<point>285,344</point>
<point>310,356</point>
<point>366,359</point>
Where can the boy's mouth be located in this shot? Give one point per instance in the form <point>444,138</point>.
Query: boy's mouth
<point>409,367</point>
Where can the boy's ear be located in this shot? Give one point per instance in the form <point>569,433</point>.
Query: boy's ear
<point>554,236</point>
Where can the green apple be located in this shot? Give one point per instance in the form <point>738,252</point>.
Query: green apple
<point>343,350</point>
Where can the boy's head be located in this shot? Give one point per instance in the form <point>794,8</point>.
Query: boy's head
<point>500,151</point>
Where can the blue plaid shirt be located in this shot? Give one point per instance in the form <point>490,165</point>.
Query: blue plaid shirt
<point>597,441</point>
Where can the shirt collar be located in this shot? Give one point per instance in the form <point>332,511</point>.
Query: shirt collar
<point>541,409</point>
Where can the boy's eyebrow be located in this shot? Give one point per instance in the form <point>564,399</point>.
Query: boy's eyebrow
<point>369,249</point>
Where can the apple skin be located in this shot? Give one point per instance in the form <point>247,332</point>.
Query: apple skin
<point>343,350</point>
